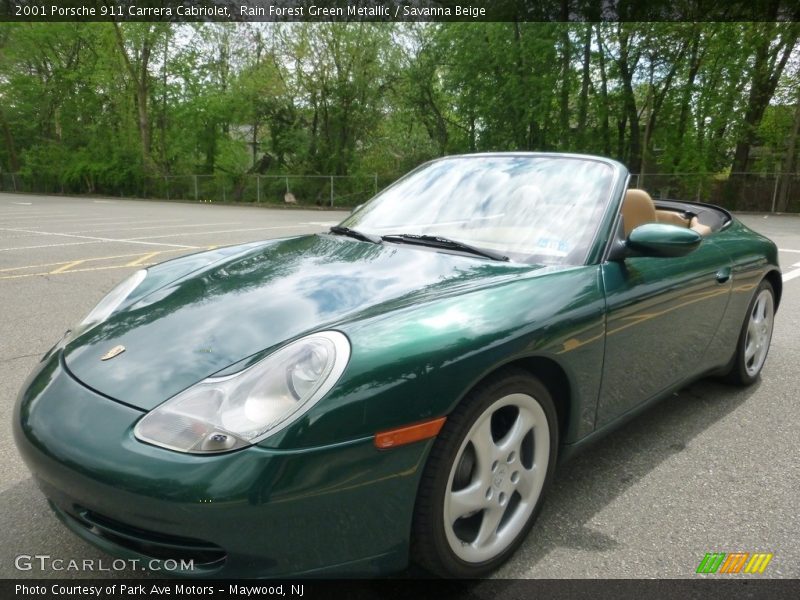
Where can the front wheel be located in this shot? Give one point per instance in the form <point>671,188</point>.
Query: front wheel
<point>485,479</point>
<point>755,337</point>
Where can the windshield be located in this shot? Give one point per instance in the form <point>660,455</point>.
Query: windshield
<point>543,209</point>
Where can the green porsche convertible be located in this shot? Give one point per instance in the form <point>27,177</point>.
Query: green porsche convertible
<point>399,388</point>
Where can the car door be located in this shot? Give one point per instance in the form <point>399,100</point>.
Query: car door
<point>661,314</point>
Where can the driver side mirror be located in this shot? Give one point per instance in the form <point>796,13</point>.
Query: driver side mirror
<point>662,239</point>
<point>658,240</point>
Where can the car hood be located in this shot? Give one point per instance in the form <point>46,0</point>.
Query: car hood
<point>225,312</point>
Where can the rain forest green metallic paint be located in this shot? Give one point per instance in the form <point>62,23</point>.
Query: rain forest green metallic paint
<point>425,326</point>
<point>663,240</point>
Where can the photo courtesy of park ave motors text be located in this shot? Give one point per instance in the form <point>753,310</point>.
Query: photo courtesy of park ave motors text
<point>353,299</point>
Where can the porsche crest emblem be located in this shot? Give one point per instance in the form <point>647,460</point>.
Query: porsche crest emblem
<point>115,351</point>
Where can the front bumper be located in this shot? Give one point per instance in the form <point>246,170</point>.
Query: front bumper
<point>334,510</point>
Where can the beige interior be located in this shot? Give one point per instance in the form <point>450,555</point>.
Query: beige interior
<point>638,208</point>
<point>673,218</point>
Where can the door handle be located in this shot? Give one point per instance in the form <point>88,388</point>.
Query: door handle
<point>723,275</point>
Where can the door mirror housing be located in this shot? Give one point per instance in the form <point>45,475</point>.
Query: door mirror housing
<point>662,240</point>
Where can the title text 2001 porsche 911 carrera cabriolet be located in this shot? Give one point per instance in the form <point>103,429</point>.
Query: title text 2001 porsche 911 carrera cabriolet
<point>398,387</point>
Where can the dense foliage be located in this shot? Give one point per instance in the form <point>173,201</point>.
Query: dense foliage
<point>105,107</point>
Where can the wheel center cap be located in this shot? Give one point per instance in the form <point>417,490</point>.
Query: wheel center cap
<point>499,477</point>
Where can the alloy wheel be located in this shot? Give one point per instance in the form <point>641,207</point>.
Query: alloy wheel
<point>759,333</point>
<point>497,478</point>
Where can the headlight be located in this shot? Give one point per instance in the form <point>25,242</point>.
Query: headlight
<point>226,413</point>
<point>114,298</point>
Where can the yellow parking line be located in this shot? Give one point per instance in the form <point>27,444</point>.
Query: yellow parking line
<point>139,254</point>
<point>104,268</point>
<point>66,267</point>
<point>71,271</point>
<point>141,259</point>
<point>64,262</point>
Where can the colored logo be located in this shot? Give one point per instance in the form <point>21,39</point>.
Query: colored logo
<point>734,562</point>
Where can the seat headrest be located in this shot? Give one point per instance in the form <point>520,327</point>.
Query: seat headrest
<point>638,208</point>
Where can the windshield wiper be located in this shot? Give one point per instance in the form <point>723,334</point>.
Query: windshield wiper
<point>354,233</point>
<point>436,241</point>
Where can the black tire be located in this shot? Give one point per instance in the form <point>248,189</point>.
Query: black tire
<point>741,370</point>
<point>430,546</point>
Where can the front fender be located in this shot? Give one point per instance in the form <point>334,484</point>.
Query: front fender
<point>419,362</point>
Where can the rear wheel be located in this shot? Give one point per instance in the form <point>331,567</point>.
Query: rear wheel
<point>755,338</point>
<point>485,480</point>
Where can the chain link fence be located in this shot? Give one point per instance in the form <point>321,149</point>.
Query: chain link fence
<point>302,190</point>
<point>757,192</point>
<point>737,191</point>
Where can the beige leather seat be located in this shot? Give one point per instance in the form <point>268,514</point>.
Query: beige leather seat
<point>672,218</point>
<point>637,209</point>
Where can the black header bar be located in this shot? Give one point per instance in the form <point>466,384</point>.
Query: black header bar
<point>707,588</point>
<point>395,11</point>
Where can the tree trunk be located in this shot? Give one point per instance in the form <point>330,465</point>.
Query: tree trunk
<point>13,160</point>
<point>57,129</point>
<point>583,99</point>
<point>210,146</point>
<point>472,138</point>
<point>438,130</point>
<point>788,162</point>
<point>140,79</point>
<point>648,129</point>
<point>312,148</point>
<point>655,100</point>
<point>695,60</point>
<point>521,115</point>
<point>605,131</point>
<point>629,102</point>
<point>770,59</point>
<point>164,108</point>
<point>622,124</point>
<point>255,142</point>
<point>144,122</point>
<point>566,52</point>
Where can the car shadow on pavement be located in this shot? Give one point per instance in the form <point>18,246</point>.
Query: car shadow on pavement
<point>596,477</point>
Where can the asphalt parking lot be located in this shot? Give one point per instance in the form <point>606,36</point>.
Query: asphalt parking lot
<point>711,469</point>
